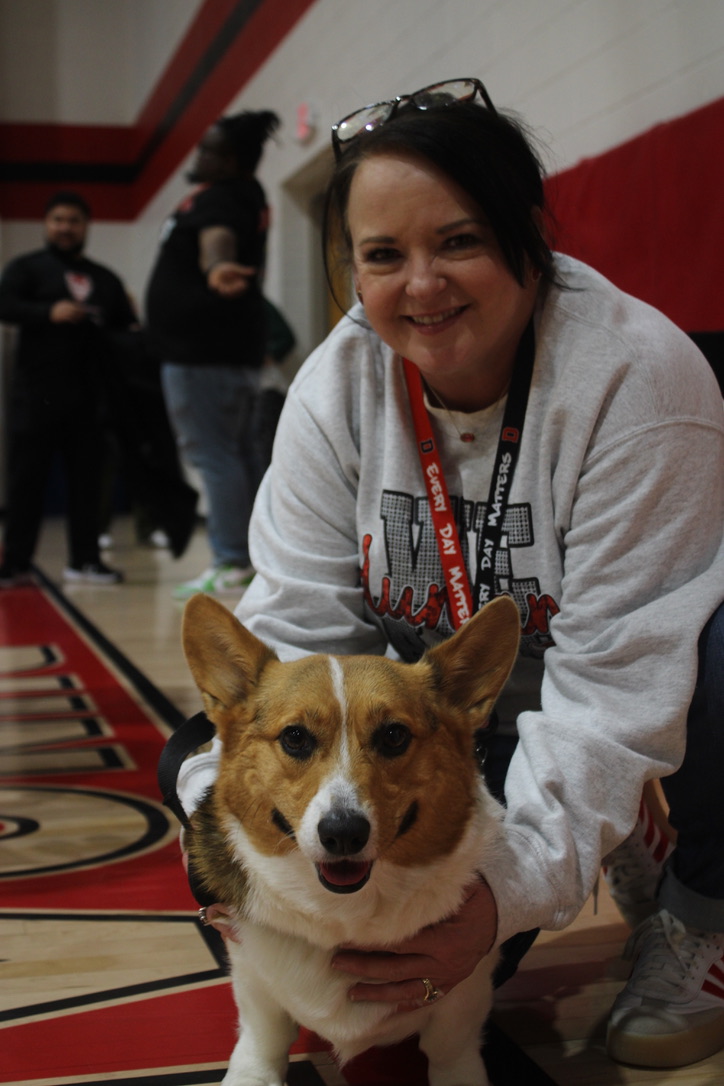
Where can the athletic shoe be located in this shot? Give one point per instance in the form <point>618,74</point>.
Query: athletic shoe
<point>92,573</point>
<point>215,581</point>
<point>159,540</point>
<point>13,577</point>
<point>633,870</point>
<point>671,1012</point>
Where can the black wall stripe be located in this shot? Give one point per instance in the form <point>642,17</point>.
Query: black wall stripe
<point>231,29</point>
<point>125,174</point>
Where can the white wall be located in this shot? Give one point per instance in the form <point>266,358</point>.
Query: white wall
<point>85,61</point>
<point>154,29</point>
<point>586,74</point>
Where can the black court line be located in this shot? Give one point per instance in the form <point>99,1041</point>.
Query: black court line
<point>210,937</point>
<point>506,1063</point>
<point>145,688</point>
<point>300,1073</point>
<point>110,995</point>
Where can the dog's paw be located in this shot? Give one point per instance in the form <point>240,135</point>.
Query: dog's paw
<point>257,1077</point>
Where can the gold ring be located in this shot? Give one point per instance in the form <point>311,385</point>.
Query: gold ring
<point>431,992</point>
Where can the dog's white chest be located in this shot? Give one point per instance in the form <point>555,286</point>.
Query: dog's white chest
<point>301,979</point>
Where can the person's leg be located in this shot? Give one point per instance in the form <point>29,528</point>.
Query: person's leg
<point>210,409</point>
<point>29,457</point>
<point>693,883</point>
<point>671,1012</point>
<point>83,449</point>
<point>162,498</point>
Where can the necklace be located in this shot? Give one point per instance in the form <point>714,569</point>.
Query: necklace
<point>465,435</point>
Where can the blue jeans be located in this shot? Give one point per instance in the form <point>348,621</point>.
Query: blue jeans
<point>210,410</point>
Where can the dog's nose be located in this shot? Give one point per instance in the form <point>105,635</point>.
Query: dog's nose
<point>343,833</point>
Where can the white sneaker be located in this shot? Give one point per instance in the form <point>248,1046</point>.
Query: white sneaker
<point>671,1012</point>
<point>216,580</point>
<point>92,573</point>
<point>159,539</point>
<point>633,870</point>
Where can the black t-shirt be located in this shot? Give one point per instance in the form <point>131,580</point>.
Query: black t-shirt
<point>60,366</point>
<point>188,322</point>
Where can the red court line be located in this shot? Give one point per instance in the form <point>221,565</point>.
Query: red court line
<point>150,878</point>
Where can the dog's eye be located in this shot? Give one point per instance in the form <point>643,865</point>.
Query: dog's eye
<point>297,742</point>
<point>391,740</point>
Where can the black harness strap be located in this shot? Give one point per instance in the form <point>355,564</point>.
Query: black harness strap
<point>193,733</point>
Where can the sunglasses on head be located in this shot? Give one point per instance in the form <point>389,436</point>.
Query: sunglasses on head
<point>371,117</point>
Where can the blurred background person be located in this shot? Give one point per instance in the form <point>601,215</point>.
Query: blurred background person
<point>142,462</point>
<point>273,384</point>
<point>206,316</point>
<point>65,305</point>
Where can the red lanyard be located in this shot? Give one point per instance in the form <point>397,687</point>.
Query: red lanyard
<point>462,601</point>
<point>448,542</point>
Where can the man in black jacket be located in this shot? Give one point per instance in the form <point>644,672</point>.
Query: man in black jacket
<point>65,305</point>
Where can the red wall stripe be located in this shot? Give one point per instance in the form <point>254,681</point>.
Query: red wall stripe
<point>650,216</point>
<point>28,143</point>
<point>206,24</point>
<point>266,28</point>
<point>113,153</point>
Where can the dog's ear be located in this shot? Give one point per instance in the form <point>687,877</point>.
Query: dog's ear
<point>472,667</point>
<point>224,658</point>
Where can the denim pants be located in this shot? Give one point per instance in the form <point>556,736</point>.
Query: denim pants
<point>210,409</point>
<point>692,887</point>
<point>693,884</point>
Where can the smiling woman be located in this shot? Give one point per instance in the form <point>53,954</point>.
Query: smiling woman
<point>434,281</point>
<point>584,414</point>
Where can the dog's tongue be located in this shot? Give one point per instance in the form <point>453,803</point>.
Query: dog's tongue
<point>344,872</point>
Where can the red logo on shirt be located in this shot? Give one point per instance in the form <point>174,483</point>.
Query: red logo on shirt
<point>80,287</point>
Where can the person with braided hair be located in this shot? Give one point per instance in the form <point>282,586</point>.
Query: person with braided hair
<point>206,318</point>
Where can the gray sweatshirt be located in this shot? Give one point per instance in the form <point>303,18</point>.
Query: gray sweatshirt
<point>612,549</point>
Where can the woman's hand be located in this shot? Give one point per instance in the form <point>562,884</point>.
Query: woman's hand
<point>444,953</point>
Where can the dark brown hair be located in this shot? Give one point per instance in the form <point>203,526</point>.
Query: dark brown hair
<point>489,155</point>
<point>245,135</point>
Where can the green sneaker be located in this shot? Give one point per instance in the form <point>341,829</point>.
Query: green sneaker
<point>215,581</point>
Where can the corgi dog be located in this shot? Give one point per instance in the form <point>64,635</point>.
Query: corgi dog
<point>348,810</point>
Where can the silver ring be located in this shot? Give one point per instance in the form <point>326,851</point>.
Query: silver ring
<point>202,916</point>
<point>431,992</point>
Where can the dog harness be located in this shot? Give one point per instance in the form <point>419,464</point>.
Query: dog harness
<point>192,734</point>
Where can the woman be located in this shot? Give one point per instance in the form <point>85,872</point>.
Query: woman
<point>581,438</point>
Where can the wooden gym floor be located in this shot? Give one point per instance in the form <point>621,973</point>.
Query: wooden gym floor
<point>555,1008</point>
